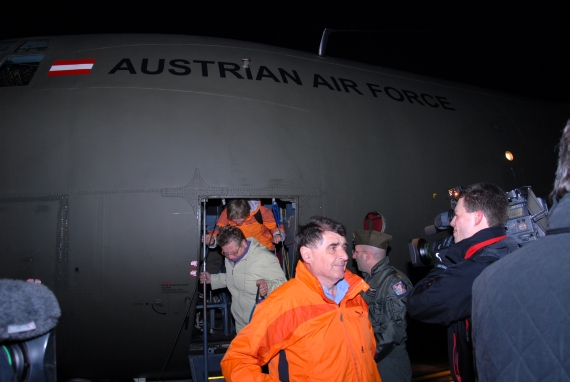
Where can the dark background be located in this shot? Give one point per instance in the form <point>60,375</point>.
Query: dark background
<point>515,47</point>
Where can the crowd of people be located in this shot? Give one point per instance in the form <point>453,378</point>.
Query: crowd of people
<point>506,308</point>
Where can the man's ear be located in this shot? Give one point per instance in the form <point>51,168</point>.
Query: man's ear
<point>479,216</point>
<point>306,254</point>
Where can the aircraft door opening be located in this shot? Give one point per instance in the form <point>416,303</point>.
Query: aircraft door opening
<point>285,214</point>
<point>281,215</point>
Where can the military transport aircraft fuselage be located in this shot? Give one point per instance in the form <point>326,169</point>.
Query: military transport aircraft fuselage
<point>113,146</point>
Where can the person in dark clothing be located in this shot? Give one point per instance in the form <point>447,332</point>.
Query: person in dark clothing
<point>521,304</point>
<point>386,299</point>
<point>444,296</point>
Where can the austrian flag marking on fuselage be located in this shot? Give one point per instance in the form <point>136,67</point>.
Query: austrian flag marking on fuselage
<point>71,67</point>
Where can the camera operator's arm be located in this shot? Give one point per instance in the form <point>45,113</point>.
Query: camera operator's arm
<point>448,256</point>
<point>444,295</point>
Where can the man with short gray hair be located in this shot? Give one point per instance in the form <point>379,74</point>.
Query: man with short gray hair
<point>249,267</point>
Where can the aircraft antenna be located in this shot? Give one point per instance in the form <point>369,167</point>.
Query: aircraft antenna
<point>325,38</point>
<point>324,41</point>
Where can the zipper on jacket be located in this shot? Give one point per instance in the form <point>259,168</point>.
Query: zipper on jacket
<point>353,355</point>
<point>455,359</point>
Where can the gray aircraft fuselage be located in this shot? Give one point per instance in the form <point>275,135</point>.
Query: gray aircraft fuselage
<point>110,147</point>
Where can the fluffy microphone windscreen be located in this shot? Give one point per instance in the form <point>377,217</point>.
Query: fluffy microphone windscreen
<point>27,310</point>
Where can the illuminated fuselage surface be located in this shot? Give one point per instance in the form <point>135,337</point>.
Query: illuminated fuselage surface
<point>110,142</point>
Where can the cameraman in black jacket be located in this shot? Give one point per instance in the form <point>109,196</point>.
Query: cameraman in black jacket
<point>444,296</point>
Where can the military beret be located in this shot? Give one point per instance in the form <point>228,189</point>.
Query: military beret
<point>372,238</point>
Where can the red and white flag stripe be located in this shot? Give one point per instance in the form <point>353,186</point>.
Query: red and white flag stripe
<point>71,67</point>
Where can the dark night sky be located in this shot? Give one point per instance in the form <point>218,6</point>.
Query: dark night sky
<point>515,48</point>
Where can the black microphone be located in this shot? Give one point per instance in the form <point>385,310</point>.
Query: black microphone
<point>430,230</point>
<point>27,310</point>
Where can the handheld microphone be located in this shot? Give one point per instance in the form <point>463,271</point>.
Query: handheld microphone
<point>28,315</point>
<point>27,310</point>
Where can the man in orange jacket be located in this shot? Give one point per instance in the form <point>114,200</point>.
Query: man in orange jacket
<point>315,326</point>
<point>253,219</point>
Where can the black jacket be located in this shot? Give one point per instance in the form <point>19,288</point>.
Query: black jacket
<point>521,305</point>
<point>444,296</point>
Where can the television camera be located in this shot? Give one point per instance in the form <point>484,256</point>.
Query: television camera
<point>528,221</point>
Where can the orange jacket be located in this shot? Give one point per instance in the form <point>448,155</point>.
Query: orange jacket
<point>251,227</point>
<point>322,341</point>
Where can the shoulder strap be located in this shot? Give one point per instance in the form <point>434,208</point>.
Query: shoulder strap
<point>482,244</point>
<point>283,367</point>
<point>556,231</point>
<point>258,216</point>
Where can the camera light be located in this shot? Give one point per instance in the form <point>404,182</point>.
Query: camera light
<point>509,155</point>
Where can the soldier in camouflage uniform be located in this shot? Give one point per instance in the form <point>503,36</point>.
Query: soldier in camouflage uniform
<point>386,299</point>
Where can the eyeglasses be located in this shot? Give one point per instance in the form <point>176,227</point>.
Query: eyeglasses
<point>232,253</point>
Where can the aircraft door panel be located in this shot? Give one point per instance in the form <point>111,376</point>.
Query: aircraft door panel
<point>129,256</point>
<point>29,240</point>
